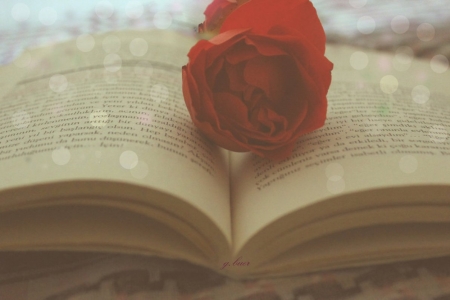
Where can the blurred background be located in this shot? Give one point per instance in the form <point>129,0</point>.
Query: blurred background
<point>423,26</point>
<point>384,24</point>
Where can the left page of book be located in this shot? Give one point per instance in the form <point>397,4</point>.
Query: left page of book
<point>110,108</point>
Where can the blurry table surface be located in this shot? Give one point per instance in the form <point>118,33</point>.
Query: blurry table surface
<point>422,25</point>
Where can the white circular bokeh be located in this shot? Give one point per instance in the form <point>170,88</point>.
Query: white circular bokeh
<point>98,118</point>
<point>48,16</point>
<point>21,119</point>
<point>400,24</point>
<point>61,156</point>
<point>140,171</point>
<point>111,44</point>
<point>138,47</point>
<point>384,63</point>
<point>112,62</point>
<point>357,3</point>
<point>336,186</point>
<point>408,164</point>
<point>85,42</point>
<point>439,63</point>
<point>425,32</point>
<point>134,9</point>
<point>438,134</point>
<point>159,93</point>
<point>58,83</point>
<point>389,84</point>
<point>128,160</point>
<point>20,12</point>
<point>420,94</point>
<point>366,25</point>
<point>162,20</point>
<point>359,60</point>
<point>104,9</point>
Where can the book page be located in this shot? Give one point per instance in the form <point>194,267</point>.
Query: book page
<point>111,108</point>
<point>387,125</point>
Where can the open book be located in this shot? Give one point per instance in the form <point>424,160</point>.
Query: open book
<point>98,153</point>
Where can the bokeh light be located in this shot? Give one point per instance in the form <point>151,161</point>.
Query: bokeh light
<point>128,160</point>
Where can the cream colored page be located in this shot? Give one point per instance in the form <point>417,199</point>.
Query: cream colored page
<point>111,108</point>
<point>380,131</point>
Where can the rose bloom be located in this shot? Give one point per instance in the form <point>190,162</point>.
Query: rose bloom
<point>262,82</point>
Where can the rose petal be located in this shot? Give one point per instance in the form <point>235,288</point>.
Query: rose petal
<point>232,108</point>
<point>199,110</point>
<point>216,12</point>
<point>204,117</point>
<point>296,106</point>
<point>228,36</point>
<point>298,15</point>
<point>219,44</point>
<point>252,97</point>
<point>241,52</point>
<point>197,49</point>
<point>215,7</point>
<point>213,71</point>
<point>264,45</point>
<point>268,74</point>
<point>221,82</point>
<point>275,119</point>
<point>315,76</point>
<point>198,101</point>
<point>302,50</point>
<point>189,86</point>
<point>267,124</point>
<point>235,75</point>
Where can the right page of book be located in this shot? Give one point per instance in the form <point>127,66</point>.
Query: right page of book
<point>387,124</point>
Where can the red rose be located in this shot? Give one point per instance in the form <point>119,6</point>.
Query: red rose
<point>262,82</point>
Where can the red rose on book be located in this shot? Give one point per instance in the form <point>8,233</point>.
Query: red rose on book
<point>262,82</point>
